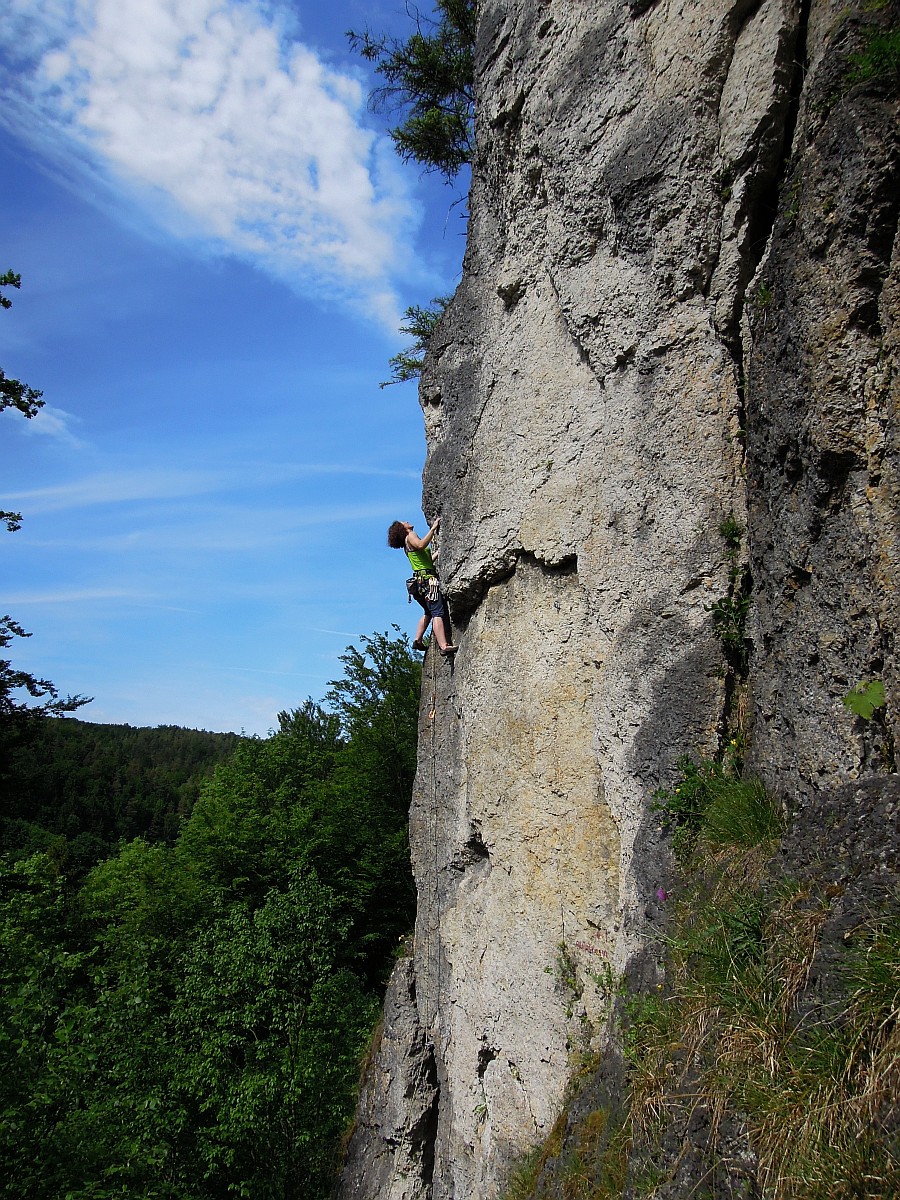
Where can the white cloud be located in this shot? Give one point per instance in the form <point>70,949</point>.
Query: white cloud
<point>54,423</point>
<point>220,124</point>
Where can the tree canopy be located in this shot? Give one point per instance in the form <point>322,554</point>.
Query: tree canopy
<point>75,789</point>
<point>186,1021</point>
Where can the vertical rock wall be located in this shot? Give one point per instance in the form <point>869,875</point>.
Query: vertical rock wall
<point>676,308</point>
<point>823,393</point>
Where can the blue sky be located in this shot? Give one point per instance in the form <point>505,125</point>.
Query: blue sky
<point>216,243</point>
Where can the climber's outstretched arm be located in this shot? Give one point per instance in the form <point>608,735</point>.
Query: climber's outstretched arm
<point>416,543</point>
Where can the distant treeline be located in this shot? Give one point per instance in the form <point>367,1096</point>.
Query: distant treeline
<point>75,789</point>
<point>186,1019</point>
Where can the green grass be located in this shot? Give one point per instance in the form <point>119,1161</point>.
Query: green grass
<point>814,1086</point>
<point>712,798</point>
<point>733,1031</point>
<point>591,1164</point>
<point>879,60</point>
<point>740,813</point>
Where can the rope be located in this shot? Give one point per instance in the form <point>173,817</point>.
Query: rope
<point>436,927</point>
<point>432,717</point>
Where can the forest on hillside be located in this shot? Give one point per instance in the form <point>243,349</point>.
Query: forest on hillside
<point>75,789</point>
<point>186,1017</point>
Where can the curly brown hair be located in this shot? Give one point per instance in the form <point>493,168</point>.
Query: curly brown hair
<point>397,535</point>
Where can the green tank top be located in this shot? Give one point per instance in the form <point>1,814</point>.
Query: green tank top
<point>420,560</point>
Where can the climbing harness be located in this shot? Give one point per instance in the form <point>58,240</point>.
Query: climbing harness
<point>422,586</point>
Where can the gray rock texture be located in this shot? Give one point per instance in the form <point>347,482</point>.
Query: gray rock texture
<point>822,400</point>
<point>679,305</point>
<point>390,1151</point>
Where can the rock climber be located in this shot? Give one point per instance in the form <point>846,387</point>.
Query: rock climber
<point>424,586</point>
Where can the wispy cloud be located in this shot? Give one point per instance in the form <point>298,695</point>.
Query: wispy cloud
<point>54,423</point>
<point>170,484</point>
<point>262,671</point>
<point>194,612</point>
<point>120,487</point>
<point>70,596</point>
<point>221,125</point>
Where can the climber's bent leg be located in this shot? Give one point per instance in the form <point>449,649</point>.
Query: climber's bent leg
<point>424,622</point>
<point>440,633</point>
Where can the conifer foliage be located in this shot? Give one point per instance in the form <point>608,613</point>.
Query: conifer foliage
<point>13,392</point>
<point>429,76</point>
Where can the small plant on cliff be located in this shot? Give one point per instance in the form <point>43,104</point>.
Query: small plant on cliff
<point>792,201</point>
<point>729,616</point>
<point>867,701</point>
<point>729,612</point>
<point>713,799</point>
<point>864,698</point>
<point>731,531</point>
<point>724,181</point>
<point>682,806</point>
<point>758,304</point>
<point>879,60</point>
<point>419,323</point>
<point>566,972</point>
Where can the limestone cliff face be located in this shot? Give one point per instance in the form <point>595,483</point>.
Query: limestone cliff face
<point>679,305</point>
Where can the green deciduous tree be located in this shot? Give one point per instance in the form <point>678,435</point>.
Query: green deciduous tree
<point>270,1026</point>
<point>14,393</point>
<point>187,1024</point>
<point>377,704</point>
<point>44,987</point>
<point>331,789</point>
